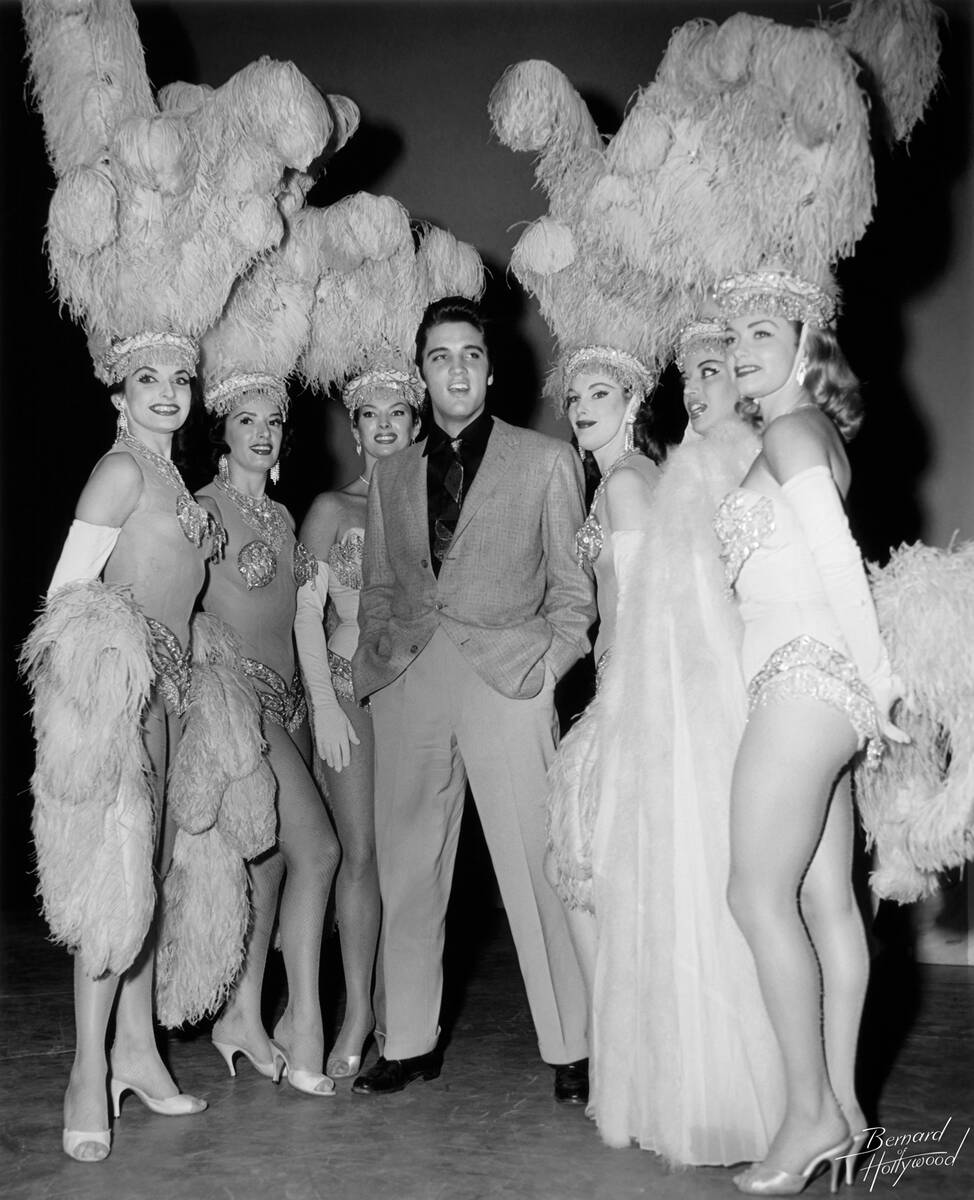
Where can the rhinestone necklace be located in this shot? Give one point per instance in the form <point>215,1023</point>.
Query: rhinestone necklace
<point>197,524</point>
<point>589,538</point>
<point>259,513</point>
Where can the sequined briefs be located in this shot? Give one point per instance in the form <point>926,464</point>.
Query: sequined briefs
<point>284,705</point>
<point>792,642</point>
<point>172,664</point>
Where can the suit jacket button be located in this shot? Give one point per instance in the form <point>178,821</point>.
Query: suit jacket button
<point>413,649</point>
<point>424,562</point>
<point>439,605</point>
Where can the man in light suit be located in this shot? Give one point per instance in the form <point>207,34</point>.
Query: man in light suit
<point>472,608</point>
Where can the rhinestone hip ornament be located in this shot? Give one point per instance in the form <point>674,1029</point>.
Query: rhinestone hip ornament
<point>275,473</point>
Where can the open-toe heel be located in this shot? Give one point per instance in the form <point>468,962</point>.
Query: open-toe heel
<point>270,1070</point>
<point>311,1083</point>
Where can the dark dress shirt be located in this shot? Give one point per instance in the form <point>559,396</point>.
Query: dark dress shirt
<point>442,451</point>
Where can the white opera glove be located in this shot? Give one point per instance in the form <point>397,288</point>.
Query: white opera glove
<point>85,551</point>
<point>332,730</point>
<point>815,500</point>
<point>628,548</point>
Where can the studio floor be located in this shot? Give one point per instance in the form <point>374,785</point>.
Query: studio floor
<point>488,1127</point>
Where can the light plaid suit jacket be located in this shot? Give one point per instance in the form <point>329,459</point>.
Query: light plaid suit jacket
<point>509,594</point>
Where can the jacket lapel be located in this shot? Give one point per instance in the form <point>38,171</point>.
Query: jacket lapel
<point>413,490</point>
<point>494,465</point>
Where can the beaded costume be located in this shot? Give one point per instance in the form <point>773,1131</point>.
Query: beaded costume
<point>792,643</point>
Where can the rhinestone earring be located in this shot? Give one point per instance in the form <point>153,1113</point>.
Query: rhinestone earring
<point>629,442</point>
<point>358,448</point>
<point>121,424</point>
<point>275,473</point>
<point>801,372</point>
<point>223,468</point>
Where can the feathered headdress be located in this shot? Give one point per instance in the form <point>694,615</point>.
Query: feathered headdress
<point>747,159</point>
<point>617,320</point>
<point>255,346</point>
<point>374,287</point>
<point>161,202</point>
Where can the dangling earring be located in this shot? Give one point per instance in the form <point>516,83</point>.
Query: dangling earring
<point>629,442</point>
<point>223,468</point>
<point>358,448</point>
<point>801,372</point>
<point>275,473</point>
<point>121,424</point>
<point>581,455</point>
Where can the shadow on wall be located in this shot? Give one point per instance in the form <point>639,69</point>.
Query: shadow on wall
<point>905,251</point>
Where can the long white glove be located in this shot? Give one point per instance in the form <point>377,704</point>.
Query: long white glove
<point>815,500</point>
<point>85,551</point>
<point>332,730</point>
<point>628,550</point>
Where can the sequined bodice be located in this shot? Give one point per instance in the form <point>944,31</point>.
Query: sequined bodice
<point>155,558</point>
<point>589,539</point>
<point>344,586</point>
<point>744,520</point>
<point>254,587</point>
<point>345,559</point>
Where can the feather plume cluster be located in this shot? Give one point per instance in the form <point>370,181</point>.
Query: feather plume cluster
<point>161,203</point>
<point>918,807</point>
<point>375,285</point>
<point>587,297</point>
<point>750,147</point>
<point>898,43</point>
<point>87,664</point>
<point>266,323</point>
<point>221,796</point>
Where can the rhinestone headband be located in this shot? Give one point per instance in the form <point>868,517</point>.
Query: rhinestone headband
<point>707,332</point>
<point>224,397</point>
<point>625,367</point>
<point>778,292</point>
<point>407,382</point>
<point>125,355</point>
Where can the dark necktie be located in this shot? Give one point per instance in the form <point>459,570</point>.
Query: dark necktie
<point>446,522</point>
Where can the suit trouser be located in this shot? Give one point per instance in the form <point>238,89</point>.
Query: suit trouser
<point>436,725</point>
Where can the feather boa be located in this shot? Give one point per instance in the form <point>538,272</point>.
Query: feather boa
<point>918,807</point>
<point>684,1058</point>
<point>88,666</point>
<point>221,796</point>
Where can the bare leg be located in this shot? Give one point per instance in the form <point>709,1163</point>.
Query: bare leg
<point>790,756</point>
<point>135,1055</point>
<point>582,928</point>
<point>829,907</point>
<point>352,805</point>
<point>240,1023</point>
<point>86,1097</point>
<point>135,1052</point>
<point>310,852</point>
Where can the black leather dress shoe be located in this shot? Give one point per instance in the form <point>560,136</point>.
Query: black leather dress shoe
<point>387,1075</point>
<point>571,1082</point>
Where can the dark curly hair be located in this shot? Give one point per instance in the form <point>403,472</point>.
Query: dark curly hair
<point>218,445</point>
<point>451,308</point>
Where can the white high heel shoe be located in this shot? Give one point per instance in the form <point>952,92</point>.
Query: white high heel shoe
<point>181,1105</point>
<point>312,1083</point>
<point>270,1070</point>
<point>72,1141</point>
<point>759,1180</point>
